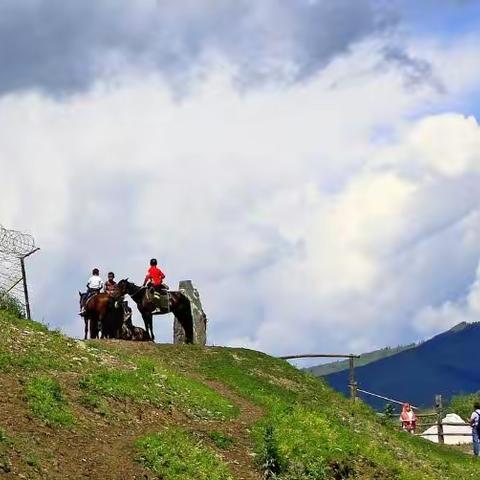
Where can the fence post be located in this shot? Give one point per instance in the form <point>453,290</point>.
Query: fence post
<point>439,409</point>
<point>24,277</point>
<point>352,383</point>
<point>25,288</point>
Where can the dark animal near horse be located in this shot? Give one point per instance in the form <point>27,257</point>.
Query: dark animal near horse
<point>131,332</point>
<point>177,303</point>
<point>101,313</point>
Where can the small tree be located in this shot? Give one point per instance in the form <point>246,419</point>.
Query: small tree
<point>389,411</point>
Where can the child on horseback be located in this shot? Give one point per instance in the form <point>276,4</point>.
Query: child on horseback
<point>110,285</point>
<point>94,286</point>
<point>155,277</point>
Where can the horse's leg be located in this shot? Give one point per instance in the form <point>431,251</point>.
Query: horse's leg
<point>93,326</point>
<point>102,326</point>
<point>118,323</point>
<point>86,328</point>
<point>150,324</point>
<point>147,320</point>
<point>144,316</point>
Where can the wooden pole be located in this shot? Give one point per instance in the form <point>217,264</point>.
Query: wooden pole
<point>25,288</point>
<point>439,409</point>
<point>24,277</point>
<point>351,378</point>
<point>319,355</point>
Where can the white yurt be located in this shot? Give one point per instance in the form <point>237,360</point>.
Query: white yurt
<point>451,439</point>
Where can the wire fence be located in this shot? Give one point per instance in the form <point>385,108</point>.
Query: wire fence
<point>15,246</point>
<point>434,419</point>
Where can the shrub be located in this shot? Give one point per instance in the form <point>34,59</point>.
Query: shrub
<point>463,404</point>
<point>11,305</point>
<point>270,458</point>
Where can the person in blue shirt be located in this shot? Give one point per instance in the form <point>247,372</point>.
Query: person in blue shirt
<point>474,422</point>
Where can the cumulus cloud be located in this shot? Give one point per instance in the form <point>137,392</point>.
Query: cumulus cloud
<point>434,319</point>
<point>302,224</point>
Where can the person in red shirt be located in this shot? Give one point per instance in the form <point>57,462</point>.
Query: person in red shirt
<point>155,276</point>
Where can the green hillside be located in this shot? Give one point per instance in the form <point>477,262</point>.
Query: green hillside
<point>366,358</point>
<point>118,410</point>
<point>463,404</point>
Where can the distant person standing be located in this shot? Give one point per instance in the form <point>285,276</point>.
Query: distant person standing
<point>408,418</point>
<point>475,423</point>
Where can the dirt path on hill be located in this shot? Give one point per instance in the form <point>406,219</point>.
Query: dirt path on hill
<point>101,449</point>
<point>240,456</point>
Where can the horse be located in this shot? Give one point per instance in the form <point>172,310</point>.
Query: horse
<point>102,314</point>
<point>178,304</point>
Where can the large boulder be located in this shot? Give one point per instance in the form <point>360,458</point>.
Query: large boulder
<point>198,317</point>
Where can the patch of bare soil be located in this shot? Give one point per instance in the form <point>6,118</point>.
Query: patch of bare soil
<point>102,448</point>
<point>240,455</point>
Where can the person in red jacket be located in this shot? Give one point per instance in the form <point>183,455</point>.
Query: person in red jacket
<point>155,276</point>
<point>408,418</point>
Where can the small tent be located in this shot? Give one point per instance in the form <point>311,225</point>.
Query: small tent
<point>450,439</point>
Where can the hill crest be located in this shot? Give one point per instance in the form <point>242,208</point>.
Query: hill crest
<point>122,410</point>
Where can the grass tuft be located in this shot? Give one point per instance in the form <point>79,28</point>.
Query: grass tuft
<point>176,455</point>
<point>220,440</point>
<point>47,402</point>
<point>150,383</point>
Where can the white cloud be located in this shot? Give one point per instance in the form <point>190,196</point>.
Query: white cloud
<point>433,319</point>
<point>302,227</point>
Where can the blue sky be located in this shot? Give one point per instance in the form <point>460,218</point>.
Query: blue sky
<point>445,19</point>
<point>312,166</point>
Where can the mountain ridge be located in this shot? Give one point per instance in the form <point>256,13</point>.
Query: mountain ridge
<point>441,365</point>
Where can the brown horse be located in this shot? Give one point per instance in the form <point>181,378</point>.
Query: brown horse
<point>101,313</point>
<point>177,303</point>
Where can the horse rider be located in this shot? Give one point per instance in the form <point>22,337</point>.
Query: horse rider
<point>110,285</point>
<point>94,286</point>
<point>110,288</point>
<point>155,277</point>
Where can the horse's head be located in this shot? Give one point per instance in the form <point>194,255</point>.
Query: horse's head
<point>122,286</point>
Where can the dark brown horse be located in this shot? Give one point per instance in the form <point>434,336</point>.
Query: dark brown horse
<point>148,305</point>
<point>101,313</point>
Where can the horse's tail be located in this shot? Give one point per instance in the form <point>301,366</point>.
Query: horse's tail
<point>183,314</point>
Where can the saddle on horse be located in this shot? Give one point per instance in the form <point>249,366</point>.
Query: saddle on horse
<point>160,297</point>
<point>86,297</point>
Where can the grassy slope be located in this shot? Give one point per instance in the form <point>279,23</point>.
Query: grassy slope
<point>365,359</point>
<point>118,410</point>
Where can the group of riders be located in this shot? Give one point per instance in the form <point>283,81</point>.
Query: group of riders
<point>95,285</point>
